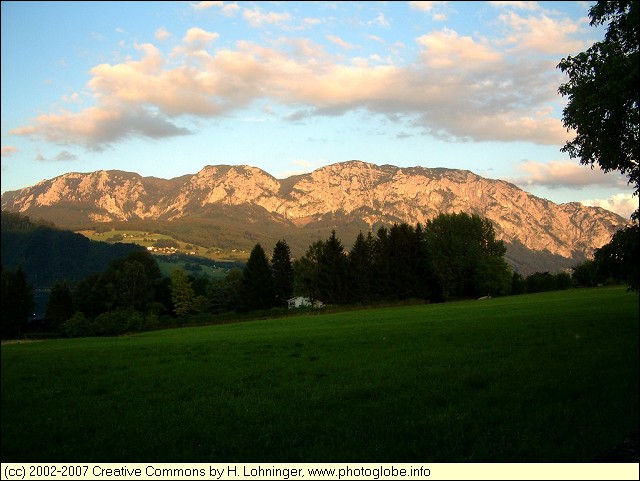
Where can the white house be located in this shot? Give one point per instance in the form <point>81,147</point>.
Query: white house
<point>303,302</point>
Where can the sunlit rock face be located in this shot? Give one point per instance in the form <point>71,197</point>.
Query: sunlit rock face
<point>353,190</point>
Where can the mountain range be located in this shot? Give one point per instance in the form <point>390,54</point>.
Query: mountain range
<point>240,205</point>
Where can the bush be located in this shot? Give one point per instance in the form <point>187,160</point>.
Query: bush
<point>118,322</point>
<point>77,326</point>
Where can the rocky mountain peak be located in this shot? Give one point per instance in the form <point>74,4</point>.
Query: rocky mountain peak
<point>346,192</point>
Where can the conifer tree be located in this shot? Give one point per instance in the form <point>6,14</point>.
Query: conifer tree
<point>361,268</point>
<point>258,290</point>
<point>333,272</point>
<point>282,273</point>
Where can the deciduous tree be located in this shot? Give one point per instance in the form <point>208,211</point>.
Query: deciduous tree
<point>603,94</point>
<point>182,293</point>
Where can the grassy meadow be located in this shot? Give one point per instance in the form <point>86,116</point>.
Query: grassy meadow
<point>549,377</point>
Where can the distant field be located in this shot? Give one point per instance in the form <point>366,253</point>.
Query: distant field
<point>163,256</point>
<point>547,377</point>
<point>167,267</point>
<point>148,239</point>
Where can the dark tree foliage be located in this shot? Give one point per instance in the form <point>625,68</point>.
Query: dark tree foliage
<point>307,272</point>
<point>282,273</point>
<point>462,247</point>
<point>16,303</point>
<point>603,94</point>
<point>381,263</point>
<point>404,254</point>
<point>332,274</point>
<point>393,265</point>
<point>518,284</point>
<point>585,274</point>
<point>540,282</point>
<point>619,259</point>
<point>258,290</point>
<point>60,306</point>
<point>47,254</point>
<point>603,108</point>
<point>128,282</point>
<point>361,269</point>
<point>224,294</point>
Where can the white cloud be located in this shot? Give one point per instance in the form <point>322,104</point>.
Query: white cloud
<point>205,5</point>
<point>541,34</point>
<point>199,38</point>
<point>622,204</point>
<point>431,8</point>
<point>8,150</point>
<point>446,49</point>
<point>310,22</point>
<point>97,127</point>
<point>457,87</point>
<point>227,9</point>
<point>230,9</point>
<point>380,20</point>
<point>162,34</point>
<point>374,38</point>
<point>257,17</point>
<point>300,166</point>
<point>530,6</point>
<point>340,42</point>
<point>565,174</point>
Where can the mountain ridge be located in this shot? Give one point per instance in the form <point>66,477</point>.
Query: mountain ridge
<point>353,192</point>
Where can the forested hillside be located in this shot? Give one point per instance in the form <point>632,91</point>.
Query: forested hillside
<point>47,254</point>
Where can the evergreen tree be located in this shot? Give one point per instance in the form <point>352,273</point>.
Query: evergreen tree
<point>333,272</point>
<point>403,254</point>
<point>426,286</point>
<point>282,273</point>
<point>361,269</point>
<point>258,291</point>
<point>381,264</point>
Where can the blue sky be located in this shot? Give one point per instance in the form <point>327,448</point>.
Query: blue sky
<point>165,88</point>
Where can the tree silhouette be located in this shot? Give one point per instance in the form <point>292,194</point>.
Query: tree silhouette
<point>603,108</point>
<point>258,290</point>
<point>282,273</point>
<point>17,302</point>
<point>60,305</point>
<point>333,271</point>
<point>604,96</point>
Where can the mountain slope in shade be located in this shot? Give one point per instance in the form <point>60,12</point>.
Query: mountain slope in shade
<point>352,192</point>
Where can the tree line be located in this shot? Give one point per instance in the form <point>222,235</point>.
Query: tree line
<point>452,256</point>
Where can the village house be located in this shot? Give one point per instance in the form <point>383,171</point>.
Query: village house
<point>303,302</point>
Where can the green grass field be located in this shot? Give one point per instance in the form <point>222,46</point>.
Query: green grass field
<point>548,377</point>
